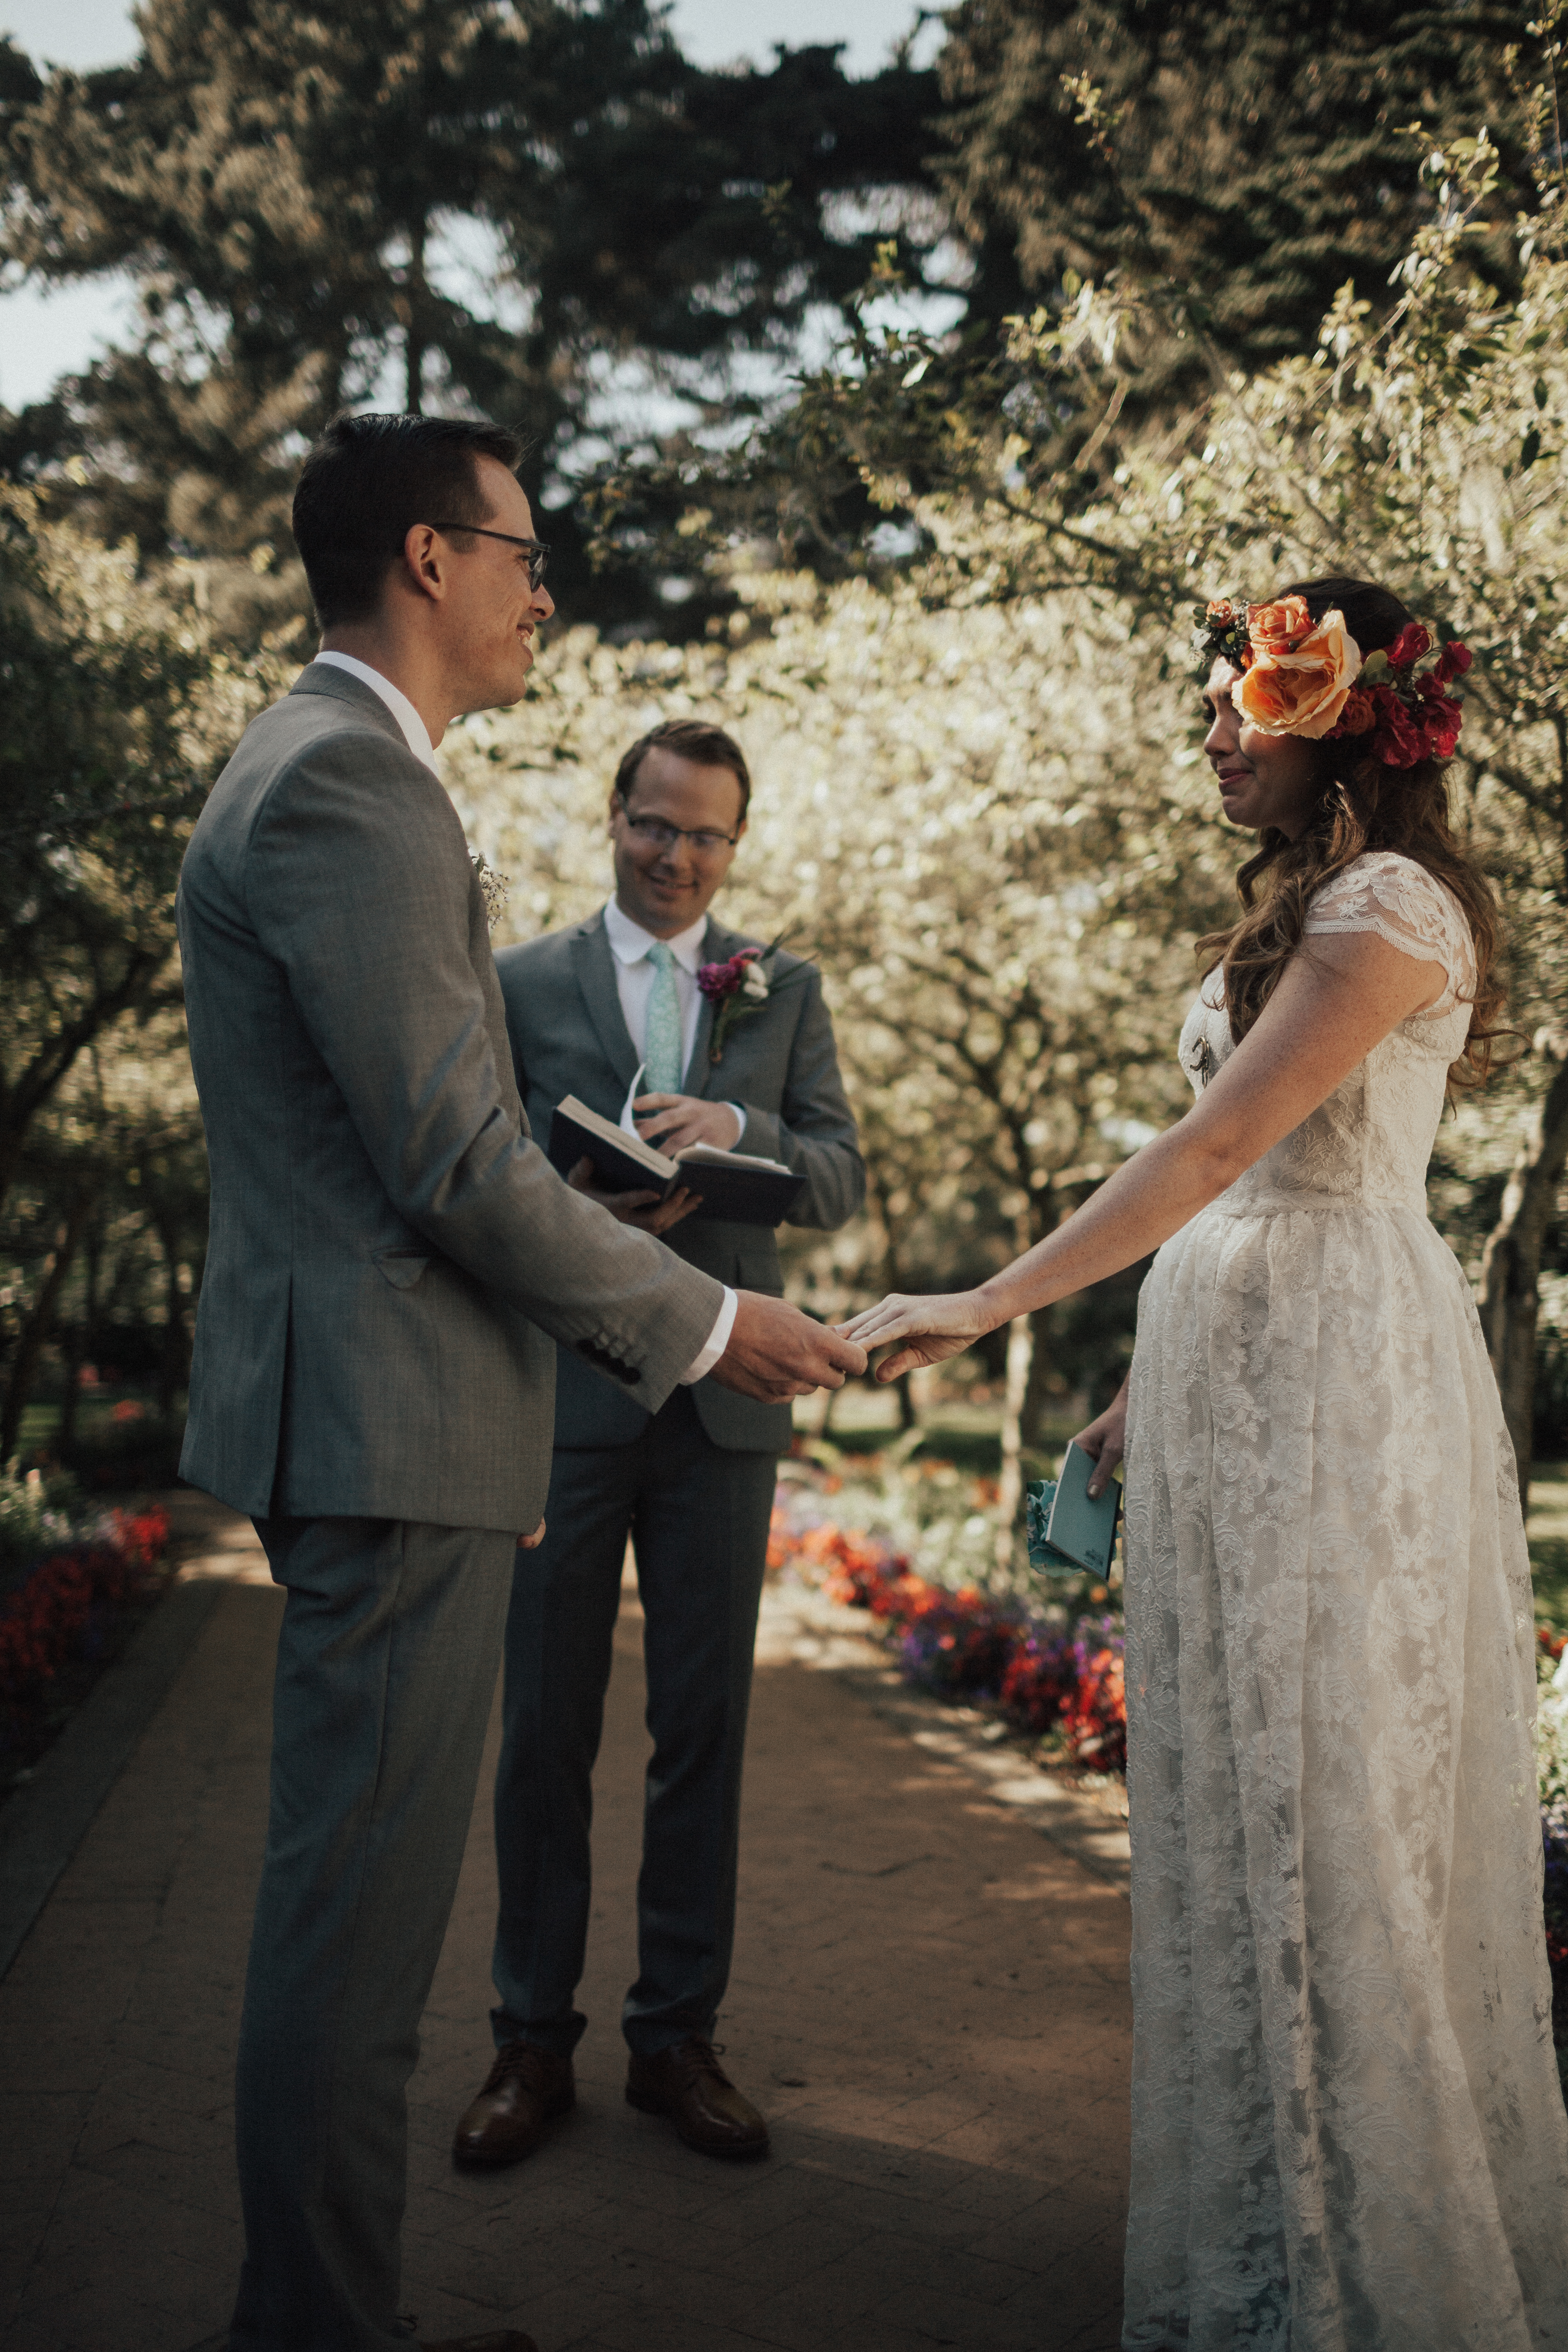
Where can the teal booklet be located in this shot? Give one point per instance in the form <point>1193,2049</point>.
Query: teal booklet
<point>1066,1531</point>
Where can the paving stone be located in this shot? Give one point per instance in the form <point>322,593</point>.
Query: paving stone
<point>928,2002</point>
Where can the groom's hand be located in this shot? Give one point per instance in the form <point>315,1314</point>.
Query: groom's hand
<point>775,1352</point>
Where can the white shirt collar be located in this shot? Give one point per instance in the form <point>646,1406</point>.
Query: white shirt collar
<point>630,942</point>
<point>414,734</point>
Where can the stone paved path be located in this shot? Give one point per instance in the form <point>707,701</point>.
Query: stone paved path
<point>930,2002</point>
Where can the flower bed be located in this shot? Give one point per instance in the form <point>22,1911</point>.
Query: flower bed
<point>1061,1681</point>
<point>67,1615</point>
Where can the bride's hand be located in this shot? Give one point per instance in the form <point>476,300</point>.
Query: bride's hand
<point>934,1328</point>
<point>1105,1441</point>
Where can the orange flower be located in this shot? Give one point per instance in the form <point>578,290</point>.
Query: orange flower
<point>1359,716</point>
<point>1301,692</point>
<point>1274,628</point>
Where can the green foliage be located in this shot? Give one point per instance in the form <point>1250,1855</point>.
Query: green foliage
<point>1251,159</point>
<point>118,713</point>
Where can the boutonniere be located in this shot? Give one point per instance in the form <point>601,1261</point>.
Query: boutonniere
<point>494,886</point>
<point>742,984</point>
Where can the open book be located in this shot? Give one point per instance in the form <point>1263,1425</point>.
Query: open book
<point>732,1185</point>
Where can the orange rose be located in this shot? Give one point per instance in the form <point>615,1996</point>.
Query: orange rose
<point>1303,692</point>
<point>1359,716</point>
<point>1274,628</point>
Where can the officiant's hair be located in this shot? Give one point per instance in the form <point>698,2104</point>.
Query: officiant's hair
<point>1363,805</point>
<point>689,739</point>
<point>366,483</point>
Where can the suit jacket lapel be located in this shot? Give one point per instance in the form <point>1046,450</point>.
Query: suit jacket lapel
<point>594,961</point>
<point>700,1069</point>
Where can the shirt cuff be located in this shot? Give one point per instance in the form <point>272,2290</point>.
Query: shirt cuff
<point>716,1342</point>
<point>740,1113</point>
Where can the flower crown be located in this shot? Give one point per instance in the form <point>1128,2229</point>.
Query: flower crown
<point>1299,678</point>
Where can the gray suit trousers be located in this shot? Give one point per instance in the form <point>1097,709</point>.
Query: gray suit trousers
<point>698,1516</point>
<point>386,1665</point>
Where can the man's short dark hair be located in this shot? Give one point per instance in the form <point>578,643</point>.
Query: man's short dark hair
<point>366,483</point>
<point>689,739</point>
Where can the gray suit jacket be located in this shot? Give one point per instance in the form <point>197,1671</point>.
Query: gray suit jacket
<point>388,1249</point>
<point>568,1036</point>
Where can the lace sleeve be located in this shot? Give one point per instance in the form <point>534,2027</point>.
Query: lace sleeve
<point>1410,908</point>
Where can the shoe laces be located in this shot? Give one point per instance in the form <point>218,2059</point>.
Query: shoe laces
<point>516,2060</point>
<point>696,2056</point>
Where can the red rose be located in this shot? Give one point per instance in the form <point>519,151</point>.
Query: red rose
<point>1408,646</point>
<point>1440,723</point>
<point>1359,715</point>
<point>1452,662</point>
<point>1398,742</point>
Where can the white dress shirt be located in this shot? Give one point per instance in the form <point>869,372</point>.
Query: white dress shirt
<point>416,736</point>
<point>414,732</point>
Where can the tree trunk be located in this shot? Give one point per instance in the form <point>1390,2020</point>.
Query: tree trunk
<point>175,1357</point>
<point>1020,1355</point>
<point>1510,1267</point>
<point>36,1327</point>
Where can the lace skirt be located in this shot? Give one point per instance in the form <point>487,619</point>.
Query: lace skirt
<point>1348,2129</point>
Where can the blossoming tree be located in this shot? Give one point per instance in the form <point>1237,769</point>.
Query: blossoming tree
<point>986,826</point>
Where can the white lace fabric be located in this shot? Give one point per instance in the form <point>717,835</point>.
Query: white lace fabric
<point>1349,2133</point>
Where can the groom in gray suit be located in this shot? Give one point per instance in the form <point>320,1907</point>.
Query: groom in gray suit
<point>691,1481</point>
<point>393,1268</point>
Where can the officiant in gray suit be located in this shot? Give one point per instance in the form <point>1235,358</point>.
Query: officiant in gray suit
<point>393,1268</point>
<point>691,1481</point>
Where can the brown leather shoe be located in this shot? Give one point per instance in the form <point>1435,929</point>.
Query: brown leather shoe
<point>525,2089</point>
<point>504,2339</point>
<point>688,2084</point>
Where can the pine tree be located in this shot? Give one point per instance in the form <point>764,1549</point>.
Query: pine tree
<point>280,183</point>
<point>1256,159</point>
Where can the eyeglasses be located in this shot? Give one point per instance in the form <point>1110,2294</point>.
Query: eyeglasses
<point>538,549</point>
<point>654,831</point>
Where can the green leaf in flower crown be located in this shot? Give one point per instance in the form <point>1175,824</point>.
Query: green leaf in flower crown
<point>1375,666</point>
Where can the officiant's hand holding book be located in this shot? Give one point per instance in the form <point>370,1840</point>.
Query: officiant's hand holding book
<point>733,1185</point>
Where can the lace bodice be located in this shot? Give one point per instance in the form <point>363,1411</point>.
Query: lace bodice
<point>1372,1138</point>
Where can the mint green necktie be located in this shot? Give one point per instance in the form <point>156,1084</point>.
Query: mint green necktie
<point>661,1058</point>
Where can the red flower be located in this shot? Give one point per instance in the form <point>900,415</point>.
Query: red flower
<point>1359,716</point>
<point>720,979</point>
<point>1398,741</point>
<point>1452,662</point>
<point>1408,646</point>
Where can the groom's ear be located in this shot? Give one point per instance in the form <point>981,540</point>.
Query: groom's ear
<point>423,567</point>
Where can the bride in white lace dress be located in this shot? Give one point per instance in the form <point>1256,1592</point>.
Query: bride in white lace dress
<point>1348,2128</point>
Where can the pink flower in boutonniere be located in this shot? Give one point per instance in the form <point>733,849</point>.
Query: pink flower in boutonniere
<point>738,986</point>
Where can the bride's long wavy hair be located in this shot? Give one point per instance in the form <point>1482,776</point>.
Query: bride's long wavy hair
<point>1362,804</point>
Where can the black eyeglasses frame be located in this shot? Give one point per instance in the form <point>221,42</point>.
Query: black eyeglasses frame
<point>705,838</point>
<point>538,549</point>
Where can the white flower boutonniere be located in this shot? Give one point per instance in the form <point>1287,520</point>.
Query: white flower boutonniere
<point>738,986</point>
<point>494,888</point>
